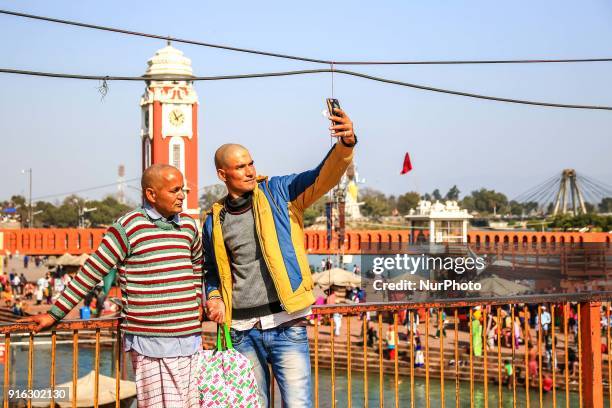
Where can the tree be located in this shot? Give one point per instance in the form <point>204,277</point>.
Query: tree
<point>20,204</point>
<point>314,211</point>
<point>64,215</point>
<point>516,208</point>
<point>211,194</point>
<point>605,206</point>
<point>407,201</point>
<point>375,203</point>
<point>453,193</point>
<point>567,221</point>
<point>108,210</point>
<point>485,201</point>
<point>436,195</point>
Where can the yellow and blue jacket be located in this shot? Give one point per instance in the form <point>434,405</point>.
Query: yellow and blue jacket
<point>278,207</point>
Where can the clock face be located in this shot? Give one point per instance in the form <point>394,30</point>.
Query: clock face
<point>177,117</point>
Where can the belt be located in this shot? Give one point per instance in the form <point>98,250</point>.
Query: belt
<point>299,322</point>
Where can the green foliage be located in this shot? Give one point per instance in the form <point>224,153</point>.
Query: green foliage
<point>436,195</point>
<point>108,210</point>
<point>407,201</point>
<point>567,221</point>
<point>20,204</point>
<point>316,210</point>
<point>485,201</point>
<point>375,203</point>
<point>516,208</point>
<point>211,194</point>
<point>66,214</point>
<point>453,193</point>
<point>605,206</point>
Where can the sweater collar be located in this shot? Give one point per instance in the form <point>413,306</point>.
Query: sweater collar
<point>156,216</point>
<point>240,204</point>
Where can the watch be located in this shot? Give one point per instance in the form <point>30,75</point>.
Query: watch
<point>349,145</point>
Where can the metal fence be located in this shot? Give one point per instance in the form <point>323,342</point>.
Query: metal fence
<point>450,362</point>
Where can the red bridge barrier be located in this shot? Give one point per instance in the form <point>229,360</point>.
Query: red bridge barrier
<point>50,241</point>
<point>57,241</point>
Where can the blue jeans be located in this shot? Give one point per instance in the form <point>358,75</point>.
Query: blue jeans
<point>286,350</point>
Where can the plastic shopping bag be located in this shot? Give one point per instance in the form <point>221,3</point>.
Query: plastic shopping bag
<point>226,377</point>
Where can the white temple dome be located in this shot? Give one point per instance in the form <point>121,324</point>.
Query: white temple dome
<point>169,62</point>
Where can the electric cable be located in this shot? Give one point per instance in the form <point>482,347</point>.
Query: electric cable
<point>304,72</point>
<point>293,57</point>
<point>83,190</point>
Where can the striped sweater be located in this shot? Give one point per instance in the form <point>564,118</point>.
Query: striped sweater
<point>160,274</point>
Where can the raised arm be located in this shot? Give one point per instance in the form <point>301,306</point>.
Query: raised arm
<point>303,189</point>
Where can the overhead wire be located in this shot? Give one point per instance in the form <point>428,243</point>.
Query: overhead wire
<point>294,57</point>
<point>83,190</point>
<point>304,72</point>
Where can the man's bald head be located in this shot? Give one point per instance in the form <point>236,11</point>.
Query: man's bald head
<point>224,152</point>
<point>236,169</point>
<point>154,175</point>
<point>162,187</point>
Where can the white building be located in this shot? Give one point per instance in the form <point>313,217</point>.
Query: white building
<point>446,223</point>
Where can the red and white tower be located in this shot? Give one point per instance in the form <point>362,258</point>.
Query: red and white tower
<point>170,120</point>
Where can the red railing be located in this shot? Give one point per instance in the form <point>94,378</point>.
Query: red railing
<point>57,241</point>
<point>351,354</point>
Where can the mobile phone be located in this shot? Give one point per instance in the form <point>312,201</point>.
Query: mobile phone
<point>331,105</point>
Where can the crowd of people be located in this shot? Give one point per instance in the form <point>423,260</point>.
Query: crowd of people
<point>531,326</point>
<point>19,294</point>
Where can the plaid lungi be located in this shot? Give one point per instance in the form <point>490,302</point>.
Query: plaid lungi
<point>165,382</point>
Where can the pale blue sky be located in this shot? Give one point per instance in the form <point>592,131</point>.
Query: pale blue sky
<point>73,140</point>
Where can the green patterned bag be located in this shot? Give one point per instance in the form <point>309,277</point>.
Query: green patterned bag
<point>226,377</point>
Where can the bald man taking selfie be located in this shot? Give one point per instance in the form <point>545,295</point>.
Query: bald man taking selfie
<point>257,275</point>
<point>158,254</point>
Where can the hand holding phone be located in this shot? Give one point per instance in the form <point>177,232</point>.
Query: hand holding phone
<point>331,105</point>
<point>343,128</point>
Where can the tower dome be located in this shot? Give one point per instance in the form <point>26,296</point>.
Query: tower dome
<point>169,62</point>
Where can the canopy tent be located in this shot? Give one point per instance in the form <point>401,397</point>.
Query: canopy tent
<point>495,286</point>
<point>336,277</point>
<point>408,277</point>
<point>85,391</point>
<point>51,261</point>
<point>68,260</point>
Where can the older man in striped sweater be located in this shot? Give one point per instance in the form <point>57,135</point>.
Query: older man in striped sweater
<point>158,254</point>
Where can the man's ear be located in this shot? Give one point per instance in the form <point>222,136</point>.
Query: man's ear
<point>150,195</point>
<point>221,175</point>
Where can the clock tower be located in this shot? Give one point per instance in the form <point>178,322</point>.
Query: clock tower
<point>169,109</point>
